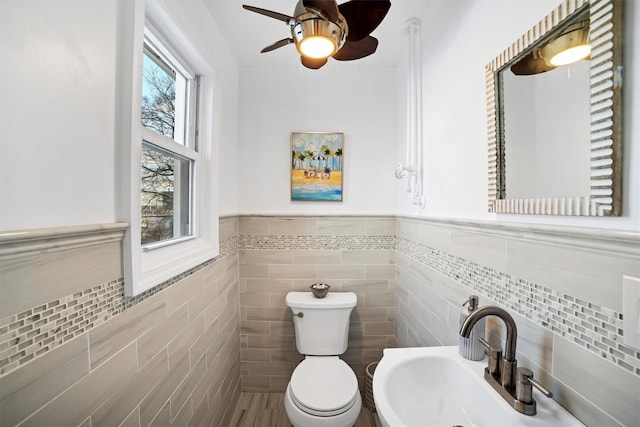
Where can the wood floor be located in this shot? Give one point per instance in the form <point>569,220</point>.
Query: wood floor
<point>267,410</point>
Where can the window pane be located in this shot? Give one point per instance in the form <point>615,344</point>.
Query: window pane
<point>166,198</point>
<point>163,110</point>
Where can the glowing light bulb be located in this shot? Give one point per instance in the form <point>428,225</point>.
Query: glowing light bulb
<point>571,55</point>
<point>317,47</point>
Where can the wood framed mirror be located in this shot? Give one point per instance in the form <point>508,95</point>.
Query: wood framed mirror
<point>594,161</point>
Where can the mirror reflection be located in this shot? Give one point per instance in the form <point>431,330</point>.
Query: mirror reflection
<point>554,115</point>
<point>546,132</point>
<point>544,107</point>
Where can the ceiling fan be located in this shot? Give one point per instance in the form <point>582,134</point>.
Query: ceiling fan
<point>322,28</point>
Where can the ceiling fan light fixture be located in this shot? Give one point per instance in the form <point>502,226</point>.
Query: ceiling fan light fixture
<point>569,47</point>
<point>317,47</point>
<point>318,38</point>
<point>320,29</point>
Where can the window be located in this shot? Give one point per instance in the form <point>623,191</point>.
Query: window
<point>165,196</point>
<point>166,162</point>
<point>168,116</point>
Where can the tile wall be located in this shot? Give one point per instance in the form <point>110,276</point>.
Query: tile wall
<point>75,351</point>
<point>282,254</point>
<point>562,286</point>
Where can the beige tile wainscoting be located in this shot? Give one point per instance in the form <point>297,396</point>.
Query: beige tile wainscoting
<point>563,286</point>
<point>281,254</point>
<point>75,351</point>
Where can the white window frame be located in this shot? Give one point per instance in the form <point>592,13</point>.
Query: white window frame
<point>147,266</point>
<point>184,143</point>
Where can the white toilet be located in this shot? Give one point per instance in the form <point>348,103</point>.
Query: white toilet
<point>323,390</point>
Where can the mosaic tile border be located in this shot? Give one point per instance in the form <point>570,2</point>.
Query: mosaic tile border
<point>32,333</point>
<point>302,242</point>
<point>596,328</point>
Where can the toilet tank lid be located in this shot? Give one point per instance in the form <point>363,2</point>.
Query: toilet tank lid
<point>332,300</point>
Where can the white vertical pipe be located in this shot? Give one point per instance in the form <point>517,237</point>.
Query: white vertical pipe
<point>419,158</point>
<point>410,109</point>
<point>412,95</point>
<point>414,114</point>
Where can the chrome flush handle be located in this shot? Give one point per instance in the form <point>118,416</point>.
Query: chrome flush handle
<point>299,314</point>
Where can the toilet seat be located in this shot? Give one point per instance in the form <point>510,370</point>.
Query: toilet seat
<point>323,386</point>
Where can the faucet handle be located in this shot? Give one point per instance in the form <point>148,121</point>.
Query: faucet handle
<point>493,350</point>
<point>495,357</point>
<point>525,381</point>
<point>540,387</point>
<point>524,389</point>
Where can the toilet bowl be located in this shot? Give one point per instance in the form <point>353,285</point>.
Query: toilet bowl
<point>323,389</point>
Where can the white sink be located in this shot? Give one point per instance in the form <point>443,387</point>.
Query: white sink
<point>434,386</point>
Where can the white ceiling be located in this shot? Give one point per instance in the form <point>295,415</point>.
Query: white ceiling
<point>247,32</point>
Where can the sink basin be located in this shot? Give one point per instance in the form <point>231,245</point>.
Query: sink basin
<point>434,386</point>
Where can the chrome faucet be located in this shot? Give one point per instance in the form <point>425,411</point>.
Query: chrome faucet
<point>512,383</point>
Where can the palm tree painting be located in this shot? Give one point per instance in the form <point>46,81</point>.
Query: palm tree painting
<point>316,166</point>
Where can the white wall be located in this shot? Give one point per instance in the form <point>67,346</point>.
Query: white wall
<point>562,153</point>
<point>547,123</point>
<point>520,132</point>
<point>340,97</point>
<point>59,112</point>
<point>455,52</point>
<point>58,115</point>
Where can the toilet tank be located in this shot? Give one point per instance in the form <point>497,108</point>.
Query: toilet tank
<point>323,328</point>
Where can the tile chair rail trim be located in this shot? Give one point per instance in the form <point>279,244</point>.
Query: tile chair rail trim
<point>17,243</point>
<point>623,242</point>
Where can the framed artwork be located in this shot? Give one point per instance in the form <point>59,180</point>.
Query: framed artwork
<point>317,161</point>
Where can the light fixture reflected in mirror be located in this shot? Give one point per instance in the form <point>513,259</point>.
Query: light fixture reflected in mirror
<point>569,47</point>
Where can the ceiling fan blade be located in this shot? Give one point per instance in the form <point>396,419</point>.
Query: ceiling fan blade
<point>329,8</point>
<point>363,16</point>
<point>313,63</point>
<point>530,64</point>
<point>356,50</point>
<point>277,45</point>
<point>270,13</point>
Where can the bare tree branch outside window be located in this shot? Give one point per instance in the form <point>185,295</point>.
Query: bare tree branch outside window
<point>157,196</point>
<point>158,168</point>
<point>158,103</point>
